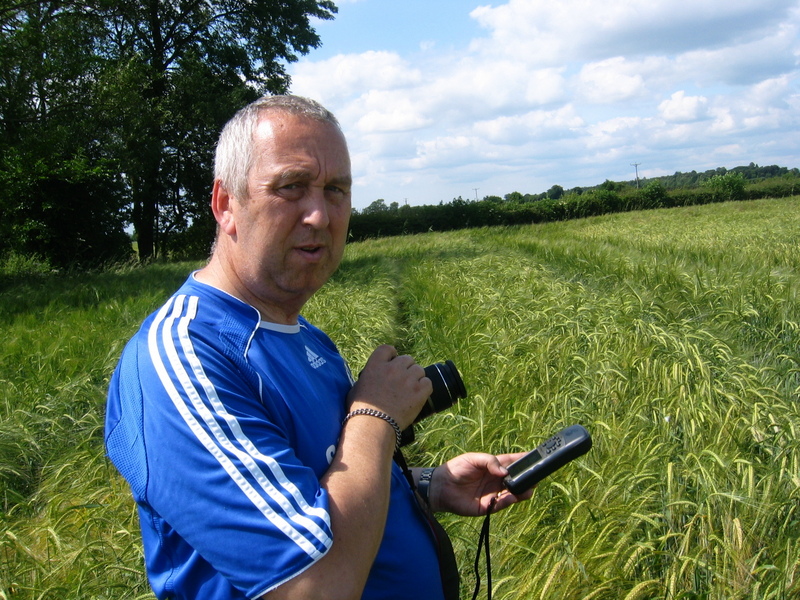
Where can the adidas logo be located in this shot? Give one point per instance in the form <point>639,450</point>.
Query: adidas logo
<point>314,360</point>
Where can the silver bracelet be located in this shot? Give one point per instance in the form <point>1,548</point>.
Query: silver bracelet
<point>381,415</point>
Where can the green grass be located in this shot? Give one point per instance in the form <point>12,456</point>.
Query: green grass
<point>671,335</point>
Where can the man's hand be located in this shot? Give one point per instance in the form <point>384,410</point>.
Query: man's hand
<point>467,484</point>
<point>393,384</point>
<point>358,480</point>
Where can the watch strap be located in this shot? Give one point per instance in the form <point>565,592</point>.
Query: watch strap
<point>424,483</point>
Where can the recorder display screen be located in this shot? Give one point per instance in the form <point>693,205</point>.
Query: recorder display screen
<point>525,462</point>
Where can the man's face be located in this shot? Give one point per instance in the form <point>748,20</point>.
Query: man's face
<point>291,231</point>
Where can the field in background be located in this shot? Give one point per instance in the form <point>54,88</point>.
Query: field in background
<point>672,335</point>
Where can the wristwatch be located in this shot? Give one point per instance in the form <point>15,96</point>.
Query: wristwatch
<point>424,483</point>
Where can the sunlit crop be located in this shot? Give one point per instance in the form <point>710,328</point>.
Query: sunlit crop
<point>671,335</point>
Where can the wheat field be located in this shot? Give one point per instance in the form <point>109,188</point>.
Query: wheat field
<point>671,335</point>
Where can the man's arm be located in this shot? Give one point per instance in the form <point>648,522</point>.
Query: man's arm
<point>359,478</point>
<point>467,484</point>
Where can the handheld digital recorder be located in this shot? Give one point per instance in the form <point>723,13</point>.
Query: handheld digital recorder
<point>566,445</point>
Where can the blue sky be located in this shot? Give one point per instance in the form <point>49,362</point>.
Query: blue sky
<point>403,27</point>
<point>446,98</point>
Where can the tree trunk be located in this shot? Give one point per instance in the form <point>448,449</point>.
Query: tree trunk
<point>146,193</point>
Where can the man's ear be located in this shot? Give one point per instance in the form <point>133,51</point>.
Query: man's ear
<point>221,202</point>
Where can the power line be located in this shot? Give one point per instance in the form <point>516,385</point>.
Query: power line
<point>636,165</point>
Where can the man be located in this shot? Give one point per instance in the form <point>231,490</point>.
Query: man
<point>260,468</point>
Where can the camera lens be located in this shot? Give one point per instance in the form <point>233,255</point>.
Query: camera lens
<point>448,387</point>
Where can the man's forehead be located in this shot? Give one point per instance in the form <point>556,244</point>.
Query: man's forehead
<point>272,122</point>
<point>294,143</point>
<point>286,128</point>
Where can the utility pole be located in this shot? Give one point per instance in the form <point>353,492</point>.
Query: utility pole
<point>636,166</point>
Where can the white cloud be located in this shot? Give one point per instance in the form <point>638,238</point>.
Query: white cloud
<point>520,129</point>
<point>380,111</point>
<point>682,108</point>
<point>746,63</point>
<point>443,150</point>
<point>568,30</point>
<point>615,132</point>
<point>779,92</point>
<point>335,79</point>
<point>729,150</point>
<point>553,86</point>
<point>610,80</point>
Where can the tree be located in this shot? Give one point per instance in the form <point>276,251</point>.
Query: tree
<point>65,214</point>
<point>141,87</point>
<point>62,196</point>
<point>612,186</point>
<point>183,68</point>
<point>378,206</point>
<point>555,192</point>
<point>727,186</point>
<point>653,195</point>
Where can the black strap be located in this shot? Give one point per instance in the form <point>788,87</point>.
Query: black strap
<point>401,461</point>
<point>447,559</point>
<point>483,542</point>
<point>448,567</point>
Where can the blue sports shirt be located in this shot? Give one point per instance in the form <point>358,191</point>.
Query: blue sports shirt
<point>223,425</point>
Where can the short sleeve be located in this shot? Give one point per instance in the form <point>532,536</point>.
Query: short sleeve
<point>202,451</point>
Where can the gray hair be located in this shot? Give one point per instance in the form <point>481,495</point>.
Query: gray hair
<point>234,154</point>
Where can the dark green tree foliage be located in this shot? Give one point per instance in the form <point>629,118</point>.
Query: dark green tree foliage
<point>136,92</point>
<point>378,206</point>
<point>555,192</point>
<point>608,197</point>
<point>63,212</point>
<point>653,195</point>
<point>729,186</point>
<point>751,173</point>
<point>62,197</point>
<point>191,64</point>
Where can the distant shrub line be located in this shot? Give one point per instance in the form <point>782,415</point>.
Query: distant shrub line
<point>610,197</point>
<point>382,220</point>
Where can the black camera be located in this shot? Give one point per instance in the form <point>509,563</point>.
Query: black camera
<point>448,387</point>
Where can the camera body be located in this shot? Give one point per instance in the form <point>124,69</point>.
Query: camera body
<point>448,387</point>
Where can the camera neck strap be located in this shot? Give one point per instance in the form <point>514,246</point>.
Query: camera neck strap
<point>448,567</point>
<point>483,543</point>
<point>447,560</point>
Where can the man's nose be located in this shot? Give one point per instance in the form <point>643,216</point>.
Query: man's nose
<point>316,214</point>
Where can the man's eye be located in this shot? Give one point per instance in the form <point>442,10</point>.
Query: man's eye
<point>338,190</point>
<point>291,190</point>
